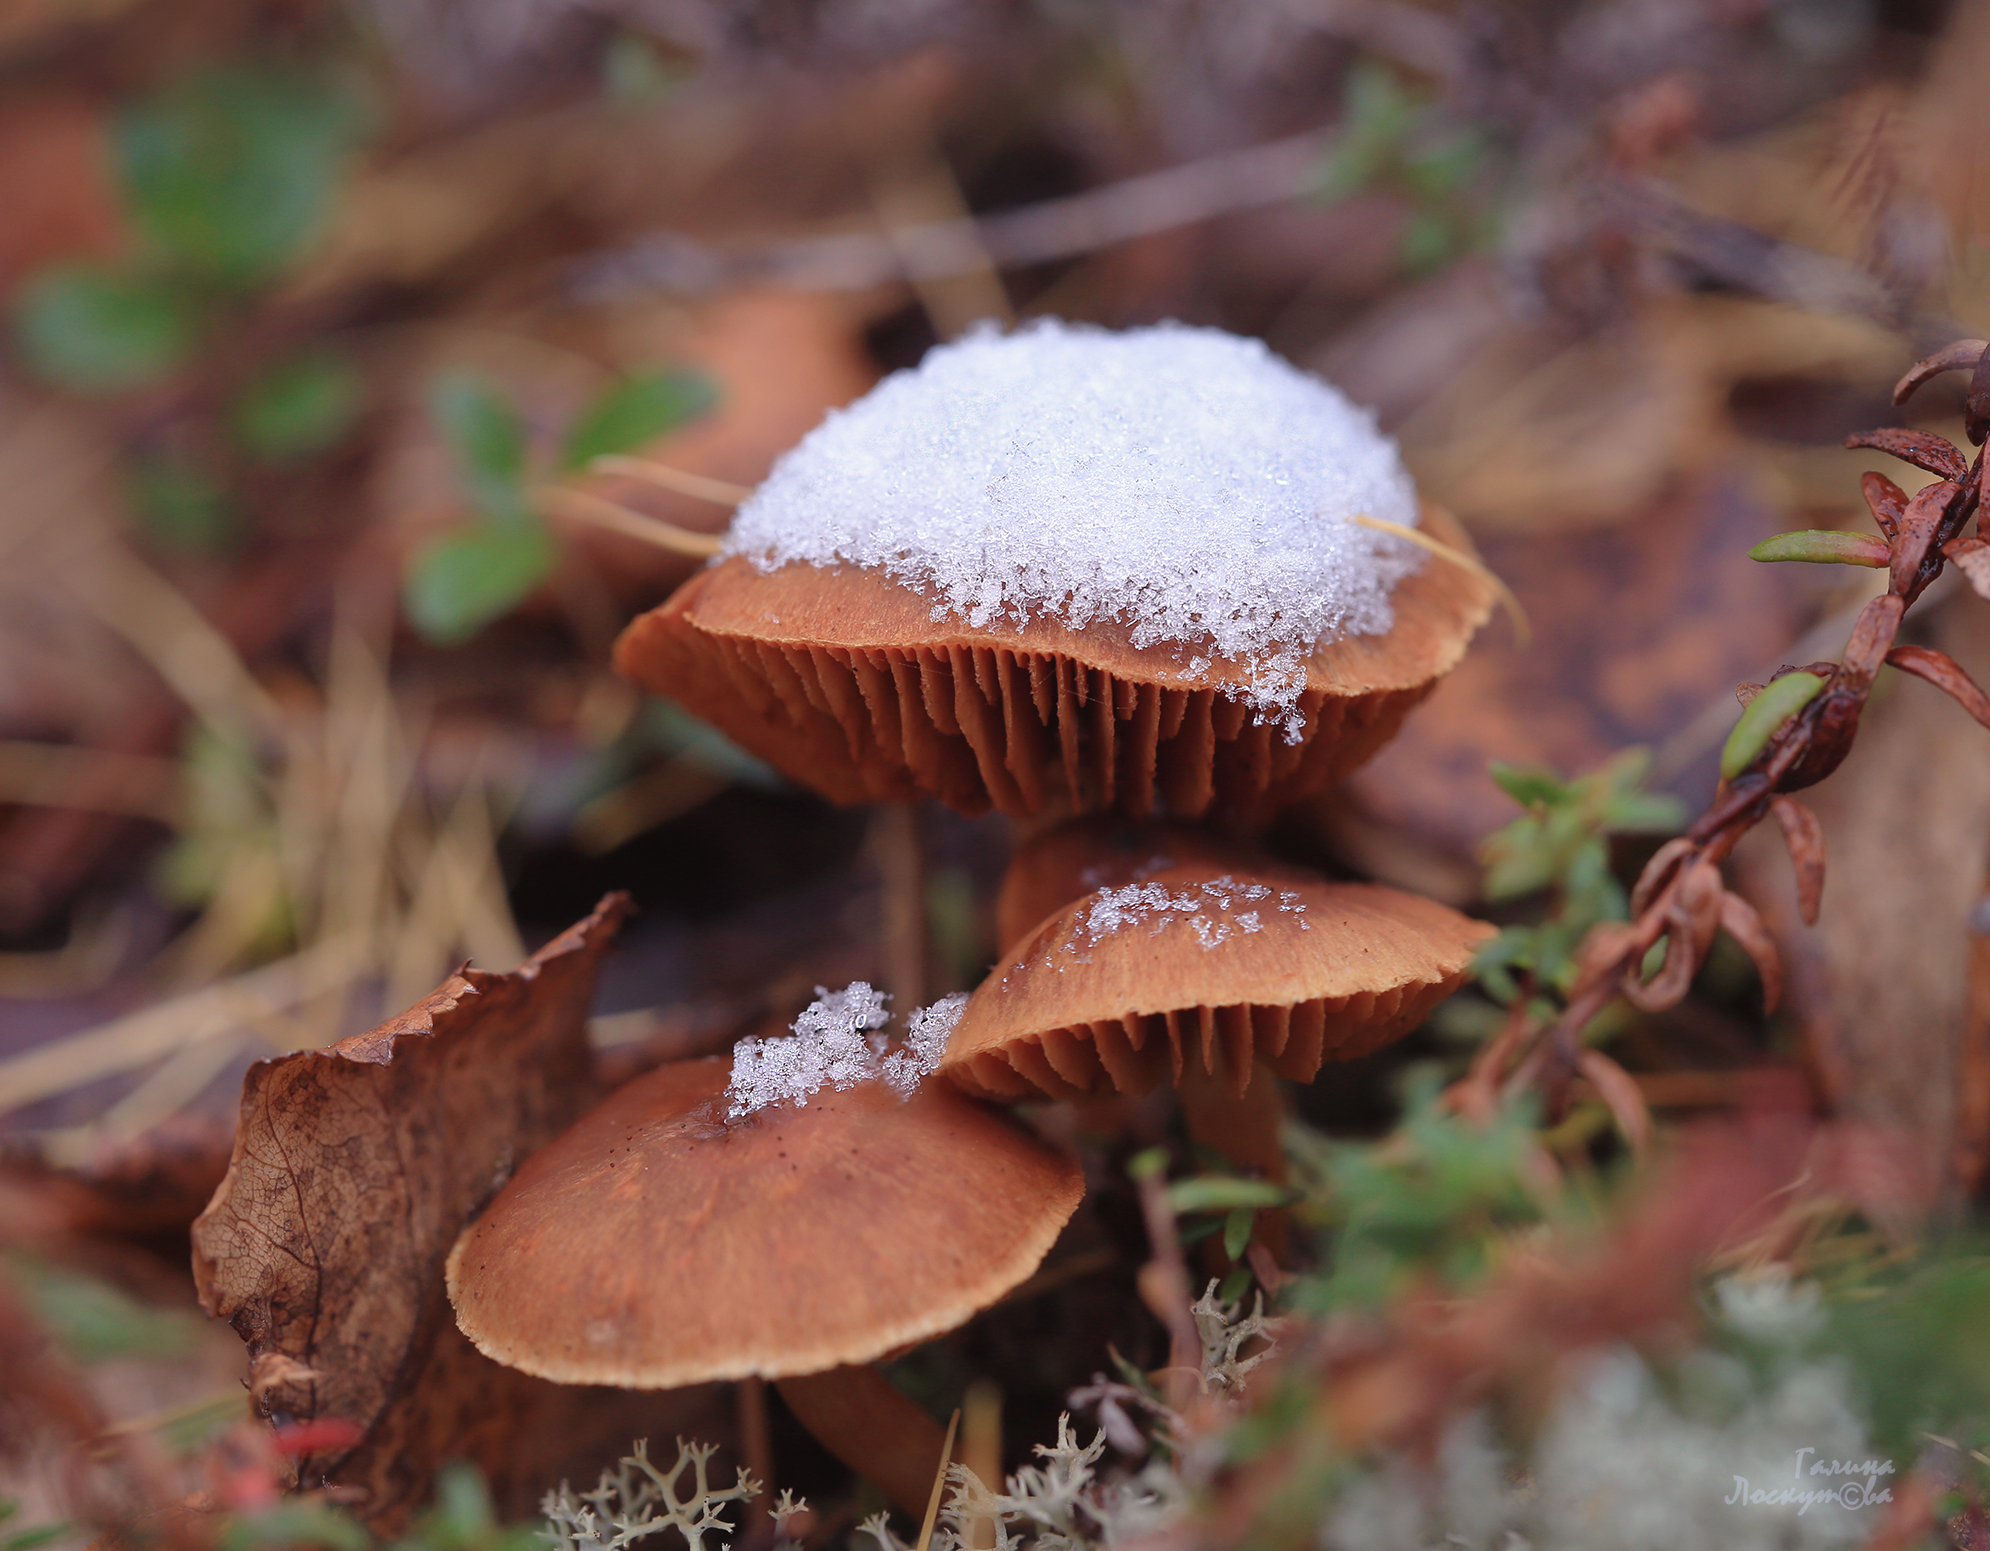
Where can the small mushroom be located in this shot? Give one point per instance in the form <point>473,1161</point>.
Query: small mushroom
<point>657,1244</point>
<point>1056,864</point>
<point>1204,971</point>
<point>1144,592</point>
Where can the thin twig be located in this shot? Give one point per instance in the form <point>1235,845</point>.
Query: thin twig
<point>1267,174</point>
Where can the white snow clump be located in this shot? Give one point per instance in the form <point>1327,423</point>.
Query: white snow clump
<point>1184,481</point>
<point>834,1044</point>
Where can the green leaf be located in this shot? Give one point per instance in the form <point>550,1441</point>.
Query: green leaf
<point>488,438</point>
<point>1235,1285</point>
<point>462,1515</point>
<point>1237,1231</point>
<point>300,1522</point>
<point>636,74</point>
<point>1780,700</point>
<point>40,1535</point>
<point>1216,1193</point>
<point>92,329</point>
<point>1426,241</point>
<point>1825,546</point>
<point>1440,169</point>
<point>1527,785</point>
<point>1635,813</point>
<point>636,411</point>
<point>230,171</point>
<point>298,407</point>
<point>95,1322</point>
<point>182,504</point>
<point>1378,114</point>
<point>461,581</point>
<point>1148,1163</point>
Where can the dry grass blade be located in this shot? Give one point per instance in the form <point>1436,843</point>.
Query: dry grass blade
<point>60,775</point>
<point>194,658</point>
<point>130,1042</point>
<point>603,513</point>
<point>1522,631</point>
<point>722,492</point>
<point>939,1484</point>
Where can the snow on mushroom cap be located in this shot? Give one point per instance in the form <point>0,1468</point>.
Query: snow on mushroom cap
<point>1183,481</point>
<point>834,1044</point>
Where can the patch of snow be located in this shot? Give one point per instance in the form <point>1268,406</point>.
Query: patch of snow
<point>835,1044</point>
<point>1184,481</point>
<point>926,1034</point>
<point>1204,906</point>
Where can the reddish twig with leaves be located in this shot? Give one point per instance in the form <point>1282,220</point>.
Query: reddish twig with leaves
<point>1794,731</point>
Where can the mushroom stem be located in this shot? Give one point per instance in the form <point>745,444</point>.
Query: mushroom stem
<point>1241,1127</point>
<point>861,1418</point>
<point>900,848</point>
<point>757,1444</point>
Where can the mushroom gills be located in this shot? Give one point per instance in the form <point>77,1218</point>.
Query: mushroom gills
<point>1021,732</point>
<point>1140,1052</point>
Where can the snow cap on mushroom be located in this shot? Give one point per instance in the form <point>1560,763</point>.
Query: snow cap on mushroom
<point>1071,566</point>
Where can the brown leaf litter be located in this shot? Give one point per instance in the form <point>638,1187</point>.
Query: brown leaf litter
<point>354,1170</point>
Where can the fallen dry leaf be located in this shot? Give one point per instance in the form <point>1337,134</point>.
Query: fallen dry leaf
<point>353,1172</point>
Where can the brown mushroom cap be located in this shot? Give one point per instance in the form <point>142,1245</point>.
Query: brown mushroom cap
<point>1052,867</point>
<point>842,678</point>
<point>1322,972</point>
<point>654,1244</point>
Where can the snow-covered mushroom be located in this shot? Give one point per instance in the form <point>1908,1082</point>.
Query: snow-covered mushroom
<point>1070,570</point>
<point>697,1227</point>
<point>1194,968</point>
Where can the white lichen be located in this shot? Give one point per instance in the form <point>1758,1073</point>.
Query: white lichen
<point>1062,1503</point>
<point>1233,1342</point>
<point>635,1500</point>
<point>1639,1462</point>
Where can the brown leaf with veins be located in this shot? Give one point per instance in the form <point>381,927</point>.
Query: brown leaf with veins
<point>353,1172</point>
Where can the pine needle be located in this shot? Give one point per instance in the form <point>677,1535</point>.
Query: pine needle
<point>723,492</point>
<point>1522,631</point>
<point>939,1485</point>
<point>563,502</point>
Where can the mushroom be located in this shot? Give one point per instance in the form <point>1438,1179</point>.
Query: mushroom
<point>659,1243</point>
<point>1200,970</point>
<point>1066,570</point>
<point>1194,960</point>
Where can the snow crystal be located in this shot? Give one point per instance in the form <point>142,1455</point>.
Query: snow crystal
<point>926,1034</point>
<point>835,1044</point>
<point>1134,904</point>
<point>1184,481</point>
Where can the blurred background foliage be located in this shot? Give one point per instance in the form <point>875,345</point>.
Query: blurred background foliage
<point>321,318</point>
